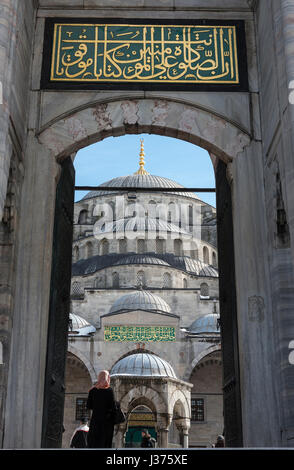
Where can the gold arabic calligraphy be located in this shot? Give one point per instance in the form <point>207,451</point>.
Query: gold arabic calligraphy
<point>152,53</point>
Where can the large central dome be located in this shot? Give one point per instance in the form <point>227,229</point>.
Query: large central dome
<point>139,181</point>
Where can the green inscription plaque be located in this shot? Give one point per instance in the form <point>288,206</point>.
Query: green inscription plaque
<point>139,333</point>
<point>98,53</point>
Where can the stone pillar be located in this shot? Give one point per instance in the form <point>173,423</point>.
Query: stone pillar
<point>185,432</point>
<point>119,437</point>
<point>163,438</point>
<point>24,407</point>
<point>8,26</point>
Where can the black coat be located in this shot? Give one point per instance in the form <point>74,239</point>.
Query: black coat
<point>102,403</point>
<point>79,439</point>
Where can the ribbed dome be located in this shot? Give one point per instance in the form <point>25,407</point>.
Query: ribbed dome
<point>141,259</point>
<point>140,300</point>
<point>138,224</point>
<point>142,365</point>
<point>139,181</point>
<point>78,326</point>
<point>206,324</point>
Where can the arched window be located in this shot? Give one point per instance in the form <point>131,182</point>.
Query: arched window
<point>76,254</point>
<point>190,217</point>
<point>214,261</point>
<point>152,209</point>
<point>160,248</point>
<point>123,245</point>
<point>178,247</point>
<point>205,255</point>
<point>104,247</point>
<point>141,245</point>
<point>204,290</point>
<point>89,250</point>
<point>185,283</point>
<point>167,280</point>
<point>115,279</point>
<point>83,216</point>
<point>194,251</point>
<point>141,279</point>
<point>77,290</point>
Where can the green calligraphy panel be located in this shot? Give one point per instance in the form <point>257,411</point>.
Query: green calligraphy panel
<point>136,53</point>
<point>139,333</point>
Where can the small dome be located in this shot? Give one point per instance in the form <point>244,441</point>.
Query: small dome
<point>143,365</point>
<point>78,326</point>
<point>141,259</point>
<point>138,181</point>
<point>206,324</point>
<point>140,300</point>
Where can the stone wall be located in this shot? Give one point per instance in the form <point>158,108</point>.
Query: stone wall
<point>16,40</point>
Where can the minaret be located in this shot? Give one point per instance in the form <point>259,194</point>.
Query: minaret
<point>142,170</point>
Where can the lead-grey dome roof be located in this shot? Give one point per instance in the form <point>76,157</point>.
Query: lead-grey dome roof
<point>141,259</point>
<point>140,300</point>
<point>206,324</point>
<point>142,365</point>
<point>139,181</point>
<point>78,326</point>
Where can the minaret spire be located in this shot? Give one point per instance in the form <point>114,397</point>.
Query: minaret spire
<point>142,170</point>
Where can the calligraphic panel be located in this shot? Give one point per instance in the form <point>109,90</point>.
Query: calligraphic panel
<point>120,54</point>
<point>127,333</point>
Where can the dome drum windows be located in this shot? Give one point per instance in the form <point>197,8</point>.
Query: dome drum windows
<point>141,279</point>
<point>83,217</point>
<point>167,281</point>
<point>141,246</point>
<point>204,291</point>
<point>115,280</point>
<point>205,255</point>
<point>123,245</point>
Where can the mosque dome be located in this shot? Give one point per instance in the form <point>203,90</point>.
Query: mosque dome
<point>78,326</point>
<point>140,179</point>
<point>140,300</point>
<point>139,224</point>
<point>205,324</point>
<point>141,259</point>
<point>142,365</point>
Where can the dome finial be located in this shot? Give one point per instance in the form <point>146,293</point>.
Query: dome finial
<point>142,170</point>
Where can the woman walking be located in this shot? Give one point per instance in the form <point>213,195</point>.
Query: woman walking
<point>102,403</point>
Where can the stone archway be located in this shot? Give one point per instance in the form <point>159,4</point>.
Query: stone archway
<point>65,135</point>
<point>78,129</point>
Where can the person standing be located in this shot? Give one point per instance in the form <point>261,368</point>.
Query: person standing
<point>79,437</point>
<point>102,403</point>
<point>147,440</point>
<point>220,442</point>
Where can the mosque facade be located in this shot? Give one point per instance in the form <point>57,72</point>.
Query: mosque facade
<point>145,306</point>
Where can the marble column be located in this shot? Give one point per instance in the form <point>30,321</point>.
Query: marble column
<point>163,438</point>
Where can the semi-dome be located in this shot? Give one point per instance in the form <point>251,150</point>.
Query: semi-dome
<point>140,300</point>
<point>141,259</point>
<point>78,326</point>
<point>138,181</point>
<point>143,365</point>
<point>206,324</point>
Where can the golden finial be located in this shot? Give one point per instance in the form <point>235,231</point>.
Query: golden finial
<point>142,170</point>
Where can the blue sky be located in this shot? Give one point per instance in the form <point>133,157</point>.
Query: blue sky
<point>175,159</point>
